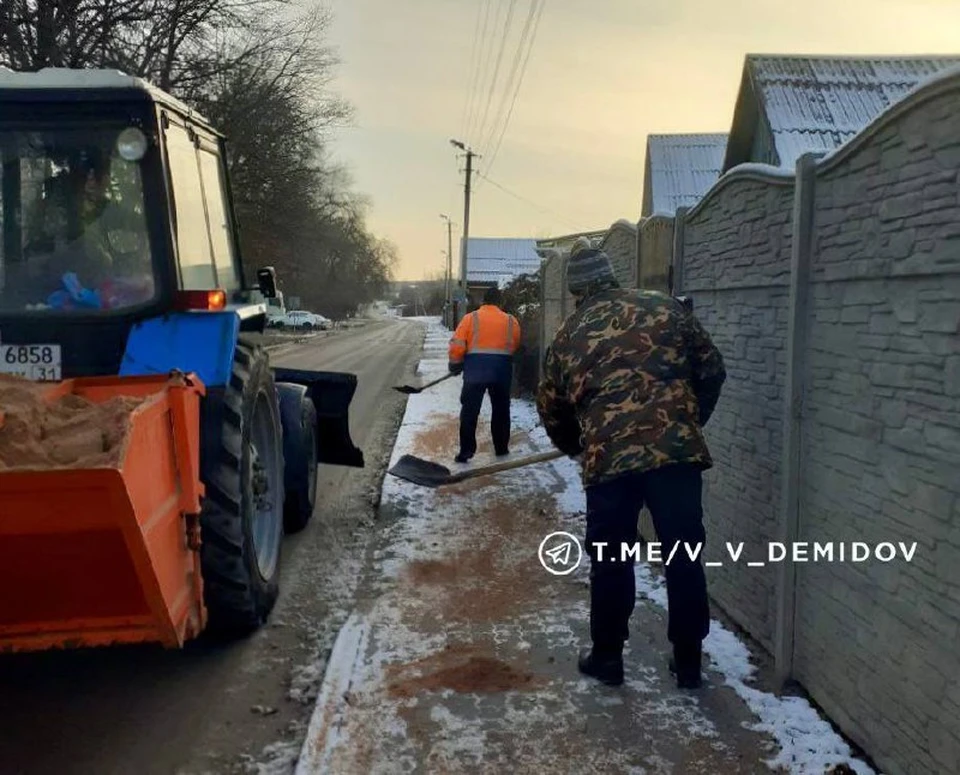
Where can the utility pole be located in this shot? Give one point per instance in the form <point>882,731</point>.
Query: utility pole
<point>449,276</point>
<point>466,216</point>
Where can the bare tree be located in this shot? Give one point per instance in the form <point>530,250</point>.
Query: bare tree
<point>261,71</point>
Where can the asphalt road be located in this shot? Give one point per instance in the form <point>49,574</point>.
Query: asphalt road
<point>215,708</point>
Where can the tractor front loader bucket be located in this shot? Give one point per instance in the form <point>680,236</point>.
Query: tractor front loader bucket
<point>91,556</point>
<point>331,392</point>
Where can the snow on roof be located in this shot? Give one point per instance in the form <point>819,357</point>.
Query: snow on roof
<point>682,168</point>
<point>68,78</point>
<point>814,103</point>
<point>564,238</point>
<point>491,260</point>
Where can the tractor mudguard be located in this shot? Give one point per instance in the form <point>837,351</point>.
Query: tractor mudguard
<point>331,393</point>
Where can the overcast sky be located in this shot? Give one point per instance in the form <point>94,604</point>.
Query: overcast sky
<point>602,75</point>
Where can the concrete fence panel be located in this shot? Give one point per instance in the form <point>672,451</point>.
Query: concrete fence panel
<point>655,253</point>
<point>620,244</point>
<point>876,642</point>
<point>736,266</point>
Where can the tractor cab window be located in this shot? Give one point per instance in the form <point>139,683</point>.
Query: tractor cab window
<point>72,219</point>
<point>205,247</point>
<point>197,272</point>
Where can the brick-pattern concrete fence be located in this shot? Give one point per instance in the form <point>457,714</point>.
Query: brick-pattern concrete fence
<point>834,295</point>
<point>556,302</point>
<point>655,253</point>
<point>620,244</point>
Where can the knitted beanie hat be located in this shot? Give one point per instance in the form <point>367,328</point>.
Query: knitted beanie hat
<point>589,267</point>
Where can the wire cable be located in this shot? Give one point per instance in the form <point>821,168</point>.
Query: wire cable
<point>512,4</point>
<point>516,93</point>
<point>483,61</point>
<point>473,73</point>
<point>511,80</point>
<point>471,68</point>
<point>523,199</point>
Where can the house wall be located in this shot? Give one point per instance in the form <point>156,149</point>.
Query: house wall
<point>646,205</point>
<point>764,149</point>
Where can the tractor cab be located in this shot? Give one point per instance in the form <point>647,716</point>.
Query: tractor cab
<point>114,208</point>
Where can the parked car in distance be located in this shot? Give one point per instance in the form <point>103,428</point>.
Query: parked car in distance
<point>300,318</point>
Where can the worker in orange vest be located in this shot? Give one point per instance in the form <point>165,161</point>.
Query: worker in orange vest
<point>482,349</point>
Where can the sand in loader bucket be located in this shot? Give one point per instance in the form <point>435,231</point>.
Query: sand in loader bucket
<point>71,432</point>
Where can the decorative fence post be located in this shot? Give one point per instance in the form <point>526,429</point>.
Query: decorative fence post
<point>801,250</point>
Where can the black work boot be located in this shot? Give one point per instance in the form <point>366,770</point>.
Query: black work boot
<point>605,666</point>
<point>462,458</point>
<point>685,664</point>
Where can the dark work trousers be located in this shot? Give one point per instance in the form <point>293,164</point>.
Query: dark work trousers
<point>471,399</point>
<point>673,495</point>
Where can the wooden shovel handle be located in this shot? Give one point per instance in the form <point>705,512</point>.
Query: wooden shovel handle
<point>508,465</point>
<point>437,381</point>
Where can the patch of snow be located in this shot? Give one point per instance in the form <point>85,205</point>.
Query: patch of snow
<point>305,684</point>
<point>325,733</point>
<point>460,741</point>
<point>808,744</point>
<point>278,759</point>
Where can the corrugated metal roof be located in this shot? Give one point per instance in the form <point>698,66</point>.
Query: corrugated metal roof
<point>682,168</point>
<point>491,260</point>
<point>565,239</point>
<point>819,103</point>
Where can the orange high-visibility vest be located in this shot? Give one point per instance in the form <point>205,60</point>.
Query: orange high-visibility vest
<point>488,331</point>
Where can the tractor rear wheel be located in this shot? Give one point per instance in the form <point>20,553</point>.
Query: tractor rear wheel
<point>242,519</point>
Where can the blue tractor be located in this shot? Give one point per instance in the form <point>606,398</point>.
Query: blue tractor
<point>120,261</point>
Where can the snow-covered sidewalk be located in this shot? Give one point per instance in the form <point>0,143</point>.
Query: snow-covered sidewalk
<point>461,653</point>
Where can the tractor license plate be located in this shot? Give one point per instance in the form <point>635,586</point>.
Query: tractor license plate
<point>40,362</point>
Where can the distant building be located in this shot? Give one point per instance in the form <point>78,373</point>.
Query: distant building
<point>679,169</point>
<point>495,262</point>
<point>791,105</point>
<point>565,242</point>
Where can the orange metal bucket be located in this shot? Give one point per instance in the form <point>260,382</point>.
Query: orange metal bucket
<point>95,556</point>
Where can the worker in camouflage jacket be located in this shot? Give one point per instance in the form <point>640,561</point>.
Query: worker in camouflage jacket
<point>629,382</point>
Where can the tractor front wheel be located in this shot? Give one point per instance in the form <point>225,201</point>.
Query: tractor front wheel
<point>299,418</point>
<point>242,519</point>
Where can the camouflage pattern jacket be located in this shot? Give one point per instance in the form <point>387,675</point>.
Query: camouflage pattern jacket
<point>630,380</point>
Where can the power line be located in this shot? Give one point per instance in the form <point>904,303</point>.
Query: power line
<point>496,72</point>
<point>482,64</point>
<point>513,75</point>
<point>525,200</point>
<point>474,69</point>
<point>472,66</point>
<point>516,93</point>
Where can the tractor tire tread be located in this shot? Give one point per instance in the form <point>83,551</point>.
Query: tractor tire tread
<point>301,497</point>
<point>237,603</point>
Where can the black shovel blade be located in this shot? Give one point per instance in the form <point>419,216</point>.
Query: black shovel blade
<point>419,471</point>
<point>407,389</point>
